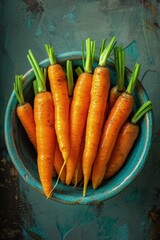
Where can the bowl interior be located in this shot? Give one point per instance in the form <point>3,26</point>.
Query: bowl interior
<point>23,154</point>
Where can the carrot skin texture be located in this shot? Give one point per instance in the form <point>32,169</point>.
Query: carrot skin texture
<point>58,162</point>
<point>125,141</point>
<point>113,96</point>
<point>99,95</point>
<point>45,134</point>
<point>58,85</point>
<point>117,117</point>
<point>78,118</point>
<point>26,115</point>
<point>78,175</point>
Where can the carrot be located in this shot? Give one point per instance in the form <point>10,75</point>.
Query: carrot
<point>125,141</point>
<point>99,95</point>
<point>45,131</point>
<point>117,90</point>
<point>118,115</point>
<point>25,111</point>
<point>79,109</point>
<point>58,85</point>
<point>58,163</point>
<point>78,174</point>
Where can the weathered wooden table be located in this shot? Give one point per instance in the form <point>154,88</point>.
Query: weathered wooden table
<point>135,212</point>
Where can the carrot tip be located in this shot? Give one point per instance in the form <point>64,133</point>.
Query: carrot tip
<point>68,178</point>
<point>58,176</point>
<point>75,185</point>
<point>65,156</point>
<point>68,182</point>
<point>49,195</point>
<point>84,192</point>
<point>84,189</point>
<point>94,186</point>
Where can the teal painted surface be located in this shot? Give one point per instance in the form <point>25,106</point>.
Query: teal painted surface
<point>133,214</point>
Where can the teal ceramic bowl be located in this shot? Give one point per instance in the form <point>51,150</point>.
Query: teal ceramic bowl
<point>24,156</point>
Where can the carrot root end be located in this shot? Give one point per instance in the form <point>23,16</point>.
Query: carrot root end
<point>85,189</point>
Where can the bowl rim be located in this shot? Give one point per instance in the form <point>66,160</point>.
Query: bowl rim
<point>58,195</point>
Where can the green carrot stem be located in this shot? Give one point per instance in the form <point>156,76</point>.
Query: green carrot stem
<point>44,70</point>
<point>36,65</point>
<point>38,72</point>
<point>93,50</point>
<point>146,107</point>
<point>106,52</point>
<point>88,65</point>
<point>18,88</point>
<point>78,70</point>
<point>35,87</point>
<point>51,54</point>
<point>102,46</point>
<point>69,72</point>
<point>90,53</point>
<point>119,56</point>
<point>33,66</point>
<point>133,79</point>
<point>83,55</point>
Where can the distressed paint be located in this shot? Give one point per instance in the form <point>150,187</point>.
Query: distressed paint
<point>30,24</point>
<point>154,216</point>
<point>9,198</point>
<point>34,6</point>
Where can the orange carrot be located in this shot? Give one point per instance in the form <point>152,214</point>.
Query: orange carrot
<point>58,163</point>
<point>125,141</point>
<point>117,90</point>
<point>25,111</point>
<point>45,130</point>
<point>99,95</point>
<point>58,85</point>
<point>118,115</point>
<point>79,111</point>
<point>78,174</point>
